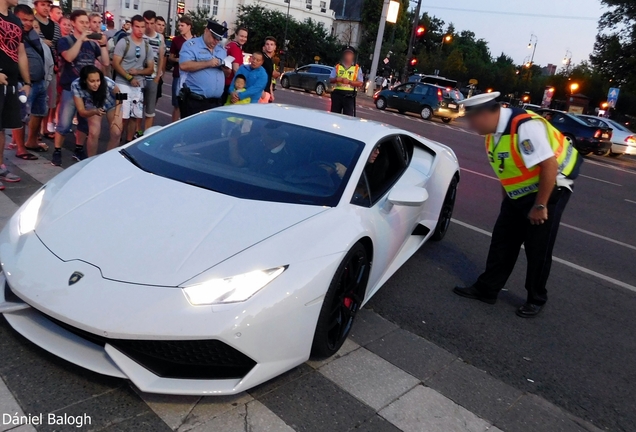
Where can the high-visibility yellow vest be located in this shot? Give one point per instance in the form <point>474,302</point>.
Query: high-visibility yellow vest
<point>273,70</point>
<point>351,73</point>
<point>507,162</point>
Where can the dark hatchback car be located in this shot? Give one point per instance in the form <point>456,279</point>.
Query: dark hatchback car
<point>585,137</point>
<point>427,100</point>
<point>309,78</point>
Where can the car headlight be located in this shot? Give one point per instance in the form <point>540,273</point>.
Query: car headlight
<point>233,289</point>
<point>29,215</point>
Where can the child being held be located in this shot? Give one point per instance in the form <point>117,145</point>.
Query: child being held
<point>239,86</point>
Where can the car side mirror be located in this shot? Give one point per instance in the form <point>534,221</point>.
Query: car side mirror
<point>411,196</point>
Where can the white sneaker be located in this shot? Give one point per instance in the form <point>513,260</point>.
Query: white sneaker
<point>50,127</point>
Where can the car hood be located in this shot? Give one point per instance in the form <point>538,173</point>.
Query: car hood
<point>141,228</point>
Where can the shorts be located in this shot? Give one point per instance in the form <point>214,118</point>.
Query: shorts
<point>53,92</point>
<point>134,105</point>
<point>9,108</point>
<point>150,97</point>
<point>38,100</point>
<point>175,92</point>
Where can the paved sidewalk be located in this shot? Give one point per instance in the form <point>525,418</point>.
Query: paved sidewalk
<point>384,379</point>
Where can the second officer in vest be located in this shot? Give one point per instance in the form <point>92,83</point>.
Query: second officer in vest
<point>536,166</point>
<point>347,78</point>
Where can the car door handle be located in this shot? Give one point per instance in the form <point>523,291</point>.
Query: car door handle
<point>395,95</point>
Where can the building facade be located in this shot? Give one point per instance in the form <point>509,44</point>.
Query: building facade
<point>347,26</point>
<point>124,9</point>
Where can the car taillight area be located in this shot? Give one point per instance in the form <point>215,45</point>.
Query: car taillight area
<point>603,134</point>
<point>630,139</point>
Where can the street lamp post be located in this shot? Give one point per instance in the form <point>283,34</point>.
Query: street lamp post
<point>378,49</point>
<point>445,38</point>
<point>567,61</point>
<point>533,46</point>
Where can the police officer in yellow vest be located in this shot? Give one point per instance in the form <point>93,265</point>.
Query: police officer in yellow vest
<point>347,76</point>
<point>536,166</point>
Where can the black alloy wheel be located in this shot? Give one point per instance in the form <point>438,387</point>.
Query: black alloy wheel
<point>320,89</point>
<point>342,302</point>
<point>447,212</point>
<point>285,82</point>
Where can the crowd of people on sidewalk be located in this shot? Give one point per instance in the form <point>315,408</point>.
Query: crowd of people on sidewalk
<point>60,72</point>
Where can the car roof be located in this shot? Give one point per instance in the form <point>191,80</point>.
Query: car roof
<point>350,127</point>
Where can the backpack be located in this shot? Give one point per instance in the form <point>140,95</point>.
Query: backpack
<point>113,41</point>
<point>127,39</point>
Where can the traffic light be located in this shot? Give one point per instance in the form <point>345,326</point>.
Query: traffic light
<point>419,32</point>
<point>108,16</point>
<point>180,8</point>
<point>413,61</point>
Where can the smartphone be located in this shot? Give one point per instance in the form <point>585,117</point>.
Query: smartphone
<point>95,36</point>
<point>121,96</point>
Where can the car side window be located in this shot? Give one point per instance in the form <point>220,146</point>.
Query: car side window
<point>420,90</point>
<point>408,88</point>
<point>385,170</point>
<point>558,118</point>
<point>303,69</point>
<point>400,89</point>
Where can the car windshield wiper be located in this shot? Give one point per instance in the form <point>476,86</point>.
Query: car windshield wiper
<point>132,160</point>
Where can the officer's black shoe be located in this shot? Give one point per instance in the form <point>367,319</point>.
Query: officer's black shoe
<point>529,310</point>
<point>473,293</point>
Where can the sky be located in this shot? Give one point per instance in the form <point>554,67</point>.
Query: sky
<point>559,26</point>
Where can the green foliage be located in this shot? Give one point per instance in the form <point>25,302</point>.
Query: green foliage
<point>66,6</point>
<point>307,39</point>
<point>200,17</point>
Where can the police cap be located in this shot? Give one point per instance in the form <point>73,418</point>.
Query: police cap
<point>216,29</point>
<point>481,102</point>
<point>350,49</point>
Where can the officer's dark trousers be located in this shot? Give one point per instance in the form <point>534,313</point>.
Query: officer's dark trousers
<point>190,106</point>
<point>343,102</point>
<point>513,229</point>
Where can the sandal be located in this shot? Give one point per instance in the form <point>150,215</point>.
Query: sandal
<point>26,156</point>
<point>41,148</point>
<point>49,135</point>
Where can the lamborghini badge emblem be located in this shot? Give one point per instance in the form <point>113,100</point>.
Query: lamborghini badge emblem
<point>75,278</point>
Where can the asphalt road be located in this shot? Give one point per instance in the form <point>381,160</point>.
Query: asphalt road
<point>580,353</point>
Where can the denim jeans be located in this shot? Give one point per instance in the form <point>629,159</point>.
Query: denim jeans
<point>66,110</point>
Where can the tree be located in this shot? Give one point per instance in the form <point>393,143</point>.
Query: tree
<point>307,39</point>
<point>199,17</point>
<point>66,6</point>
<point>454,64</point>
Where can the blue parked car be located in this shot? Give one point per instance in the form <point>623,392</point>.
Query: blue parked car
<point>428,100</point>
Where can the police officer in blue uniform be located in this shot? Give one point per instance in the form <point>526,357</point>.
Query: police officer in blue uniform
<point>202,71</point>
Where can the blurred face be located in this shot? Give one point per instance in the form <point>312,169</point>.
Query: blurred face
<point>96,24</point>
<point>56,14</point>
<point>43,9</point>
<point>483,122</point>
<point>160,27</point>
<point>347,58</point>
<point>27,21</point>
<point>138,29</point>
<point>256,61</point>
<point>184,29</point>
<point>93,81</point>
<point>269,47</point>
<point>81,24</point>
<point>66,27</point>
<point>374,155</point>
<point>241,37</point>
<point>150,24</point>
<point>239,84</point>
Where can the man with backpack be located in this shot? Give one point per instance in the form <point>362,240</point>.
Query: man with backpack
<point>75,51</point>
<point>158,47</point>
<point>133,61</point>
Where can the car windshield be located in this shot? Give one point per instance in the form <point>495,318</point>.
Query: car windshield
<point>250,157</point>
<point>454,94</point>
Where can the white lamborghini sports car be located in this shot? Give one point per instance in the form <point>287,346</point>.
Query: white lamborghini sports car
<point>224,249</point>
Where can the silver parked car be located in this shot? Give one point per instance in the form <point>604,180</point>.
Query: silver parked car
<point>313,77</point>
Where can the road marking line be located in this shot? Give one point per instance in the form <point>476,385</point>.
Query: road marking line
<point>479,174</point>
<point>561,261</point>
<point>611,240</point>
<point>610,166</point>
<point>630,201</point>
<point>163,112</point>
<point>600,180</point>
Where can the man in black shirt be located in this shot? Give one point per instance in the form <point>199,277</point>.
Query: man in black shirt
<point>266,152</point>
<point>13,64</point>
<point>269,51</point>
